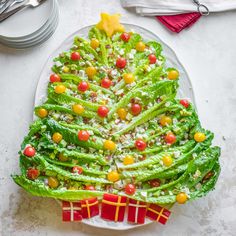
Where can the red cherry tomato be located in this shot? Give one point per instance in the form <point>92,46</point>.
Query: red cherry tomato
<point>155,183</point>
<point>170,138</point>
<point>32,173</point>
<point>140,144</point>
<point>121,62</point>
<point>125,37</point>
<point>83,135</point>
<point>77,169</point>
<point>184,102</point>
<point>102,111</point>
<point>152,59</point>
<point>136,109</point>
<point>75,56</point>
<point>130,189</point>
<point>29,151</point>
<point>90,188</point>
<point>106,83</point>
<point>83,86</point>
<point>55,78</point>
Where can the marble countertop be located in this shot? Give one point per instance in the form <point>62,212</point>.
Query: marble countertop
<point>207,51</point>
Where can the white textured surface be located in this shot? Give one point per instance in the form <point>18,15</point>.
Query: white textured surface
<point>207,51</point>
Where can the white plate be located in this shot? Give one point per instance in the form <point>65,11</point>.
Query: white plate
<point>49,22</point>
<point>27,21</point>
<point>39,37</point>
<point>185,91</point>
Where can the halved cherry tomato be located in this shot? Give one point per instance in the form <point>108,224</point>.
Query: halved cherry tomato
<point>113,176</point>
<point>152,59</point>
<point>41,112</point>
<point>170,138</point>
<point>77,170</point>
<point>128,78</point>
<point>122,113</point>
<point>130,189</point>
<point>57,137</point>
<point>53,182</point>
<point>109,145</point>
<point>184,102</point>
<point>78,109</point>
<point>173,74</point>
<point>106,83</point>
<point>83,135</point>
<point>75,56</point>
<point>155,183</point>
<point>55,78</point>
<point>125,37</point>
<point>83,86</point>
<point>91,71</point>
<point>136,109</point>
<point>140,144</point>
<point>59,89</point>
<point>32,173</point>
<point>29,151</point>
<point>181,198</point>
<point>90,188</point>
<point>102,111</point>
<point>128,160</point>
<point>94,43</point>
<point>121,62</point>
<point>165,120</point>
<point>167,160</point>
<point>199,137</point>
<point>140,46</point>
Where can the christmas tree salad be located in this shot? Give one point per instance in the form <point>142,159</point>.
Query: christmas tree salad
<point>112,124</point>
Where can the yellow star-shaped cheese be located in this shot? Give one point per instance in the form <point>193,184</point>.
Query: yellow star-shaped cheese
<point>110,24</point>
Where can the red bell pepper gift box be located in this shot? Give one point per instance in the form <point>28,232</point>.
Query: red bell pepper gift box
<point>71,211</point>
<point>113,207</point>
<point>89,207</point>
<point>158,213</point>
<point>136,211</point>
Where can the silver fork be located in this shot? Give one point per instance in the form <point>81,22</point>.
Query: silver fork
<point>8,6</point>
<point>29,3</point>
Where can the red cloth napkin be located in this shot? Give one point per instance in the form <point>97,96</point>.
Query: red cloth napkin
<point>179,22</point>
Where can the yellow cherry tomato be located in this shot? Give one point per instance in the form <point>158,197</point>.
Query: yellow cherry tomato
<point>57,137</point>
<point>165,120</point>
<point>173,75</point>
<point>90,71</point>
<point>140,46</point>
<point>53,182</point>
<point>128,78</point>
<point>66,69</point>
<point>78,109</point>
<point>128,160</point>
<point>60,89</point>
<point>42,112</point>
<point>199,137</point>
<point>167,160</point>
<point>94,43</point>
<point>109,145</point>
<point>181,198</point>
<point>113,176</point>
<point>122,113</point>
<point>61,157</point>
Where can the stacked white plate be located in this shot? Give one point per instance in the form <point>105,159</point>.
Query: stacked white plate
<point>30,26</point>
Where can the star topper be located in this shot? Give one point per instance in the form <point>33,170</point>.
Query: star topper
<point>110,24</point>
